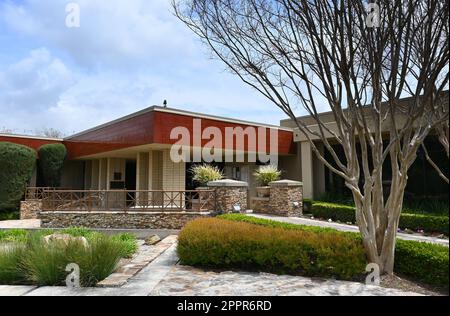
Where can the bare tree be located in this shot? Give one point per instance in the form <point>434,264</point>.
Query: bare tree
<point>50,132</point>
<point>362,64</point>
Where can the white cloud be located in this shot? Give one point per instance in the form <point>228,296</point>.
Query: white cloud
<point>125,56</point>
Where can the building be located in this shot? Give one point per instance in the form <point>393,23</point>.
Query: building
<point>134,153</point>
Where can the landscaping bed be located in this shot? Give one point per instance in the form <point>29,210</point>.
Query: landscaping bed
<point>426,223</point>
<point>419,261</point>
<point>221,243</point>
<point>27,258</point>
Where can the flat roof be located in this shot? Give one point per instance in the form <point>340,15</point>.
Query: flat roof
<point>31,137</point>
<point>157,108</point>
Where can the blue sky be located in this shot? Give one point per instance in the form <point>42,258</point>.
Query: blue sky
<point>126,55</point>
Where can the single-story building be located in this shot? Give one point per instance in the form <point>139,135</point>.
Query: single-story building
<point>135,153</point>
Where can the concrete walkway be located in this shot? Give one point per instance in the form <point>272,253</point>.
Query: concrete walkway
<point>345,228</point>
<point>21,224</point>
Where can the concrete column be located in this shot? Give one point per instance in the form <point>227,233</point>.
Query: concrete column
<point>108,173</point>
<point>319,173</point>
<point>95,174</point>
<point>307,170</point>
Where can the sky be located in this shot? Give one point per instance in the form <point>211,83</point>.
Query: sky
<point>125,55</point>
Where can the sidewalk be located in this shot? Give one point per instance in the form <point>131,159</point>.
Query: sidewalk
<point>345,228</point>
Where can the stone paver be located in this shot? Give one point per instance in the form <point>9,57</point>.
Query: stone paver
<point>146,255</point>
<point>16,290</point>
<point>26,223</point>
<point>345,227</point>
<point>188,281</point>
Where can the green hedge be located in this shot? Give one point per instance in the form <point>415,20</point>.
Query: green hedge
<point>220,243</point>
<point>17,163</point>
<point>344,213</point>
<point>423,262</point>
<point>418,261</point>
<point>51,162</point>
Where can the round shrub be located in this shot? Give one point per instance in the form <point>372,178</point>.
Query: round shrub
<point>17,163</point>
<point>51,162</point>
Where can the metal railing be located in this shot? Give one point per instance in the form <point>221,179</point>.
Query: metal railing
<point>35,193</point>
<point>127,201</point>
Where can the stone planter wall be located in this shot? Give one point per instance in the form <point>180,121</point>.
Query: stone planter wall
<point>261,205</point>
<point>119,220</point>
<point>230,194</point>
<point>30,209</point>
<point>286,199</point>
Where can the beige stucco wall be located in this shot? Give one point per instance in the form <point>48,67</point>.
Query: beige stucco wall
<point>72,175</point>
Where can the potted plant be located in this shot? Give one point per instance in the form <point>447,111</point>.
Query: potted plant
<point>264,175</point>
<point>202,174</point>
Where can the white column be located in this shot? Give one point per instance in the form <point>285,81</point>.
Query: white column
<point>307,170</point>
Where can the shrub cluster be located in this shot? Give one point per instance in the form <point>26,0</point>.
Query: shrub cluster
<point>345,213</point>
<point>220,243</point>
<point>17,164</point>
<point>51,162</point>
<point>418,261</point>
<point>26,259</point>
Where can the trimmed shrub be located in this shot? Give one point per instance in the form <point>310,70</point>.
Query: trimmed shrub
<point>423,262</point>
<point>17,163</point>
<point>336,212</point>
<point>220,243</point>
<point>418,261</point>
<point>51,162</point>
<point>344,213</point>
<point>428,223</point>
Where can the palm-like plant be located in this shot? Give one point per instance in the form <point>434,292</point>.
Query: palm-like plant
<point>266,174</point>
<point>206,173</point>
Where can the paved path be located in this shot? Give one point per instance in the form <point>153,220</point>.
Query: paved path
<point>21,224</point>
<point>188,281</point>
<point>347,228</point>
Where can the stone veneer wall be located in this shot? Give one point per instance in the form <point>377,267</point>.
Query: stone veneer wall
<point>30,209</point>
<point>286,199</point>
<point>261,205</point>
<point>230,193</point>
<point>119,220</point>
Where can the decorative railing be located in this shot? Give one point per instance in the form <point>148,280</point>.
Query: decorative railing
<point>35,193</point>
<point>126,201</point>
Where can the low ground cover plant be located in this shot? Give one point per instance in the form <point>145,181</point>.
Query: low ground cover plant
<point>25,258</point>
